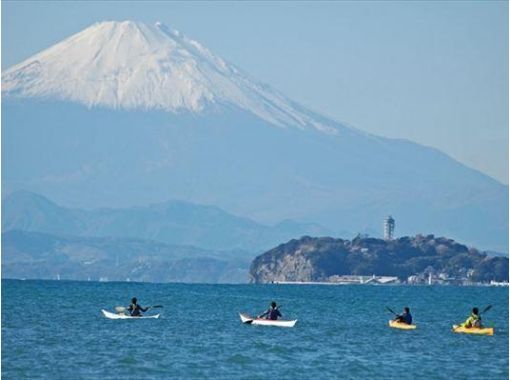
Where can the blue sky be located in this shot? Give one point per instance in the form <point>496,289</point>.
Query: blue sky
<point>432,72</point>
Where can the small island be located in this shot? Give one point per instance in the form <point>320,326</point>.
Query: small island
<point>364,260</point>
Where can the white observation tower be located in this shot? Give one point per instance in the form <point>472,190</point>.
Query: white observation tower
<point>389,228</point>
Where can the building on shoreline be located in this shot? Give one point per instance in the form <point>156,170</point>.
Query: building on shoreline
<point>347,280</point>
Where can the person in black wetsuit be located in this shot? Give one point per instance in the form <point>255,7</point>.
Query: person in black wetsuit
<point>135,310</point>
<point>272,313</point>
<point>405,317</point>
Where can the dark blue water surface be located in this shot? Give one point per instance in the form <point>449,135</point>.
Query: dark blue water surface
<point>55,330</point>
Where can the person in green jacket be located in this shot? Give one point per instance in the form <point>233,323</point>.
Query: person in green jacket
<point>474,320</point>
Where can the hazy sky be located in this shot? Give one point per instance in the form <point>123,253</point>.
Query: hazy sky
<point>432,72</point>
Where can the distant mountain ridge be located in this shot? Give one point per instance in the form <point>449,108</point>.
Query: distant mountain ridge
<point>124,114</point>
<point>34,255</point>
<point>173,222</point>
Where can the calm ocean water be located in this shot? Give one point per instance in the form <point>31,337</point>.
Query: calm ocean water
<point>55,330</point>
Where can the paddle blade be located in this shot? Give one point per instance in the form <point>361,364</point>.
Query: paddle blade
<point>487,309</point>
<point>246,319</point>
<point>391,311</point>
<point>156,307</point>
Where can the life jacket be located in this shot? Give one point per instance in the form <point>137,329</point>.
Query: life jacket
<point>273,314</point>
<point>134,309</point>
<point>407,318</point>
<point>473,321</point>
<point>476,320</point>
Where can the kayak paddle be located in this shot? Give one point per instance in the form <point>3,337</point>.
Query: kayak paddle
<point>391,311</point>
<point>246,319</point>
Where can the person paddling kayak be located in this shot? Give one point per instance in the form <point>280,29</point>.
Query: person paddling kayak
<point>134,309</point>
<point>474,320</point>
<point>272,313</point>
<point>405,317</point>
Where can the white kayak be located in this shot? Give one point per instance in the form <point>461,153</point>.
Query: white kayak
<point>245,318</point>
<point>109,315</point>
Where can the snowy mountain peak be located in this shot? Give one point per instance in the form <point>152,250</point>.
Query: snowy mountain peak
<point>131,65</point>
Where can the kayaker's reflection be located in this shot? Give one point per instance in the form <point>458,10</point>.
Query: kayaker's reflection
<point>272,313</point>
<point>134,309</point>
<point>405,317</point>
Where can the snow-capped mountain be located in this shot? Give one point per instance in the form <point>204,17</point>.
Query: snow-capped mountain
<point>125,114</point>
<point>130,65</point>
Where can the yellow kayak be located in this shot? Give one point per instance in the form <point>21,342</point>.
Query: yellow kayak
<point>402,326</point>
<point>473,330</point>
